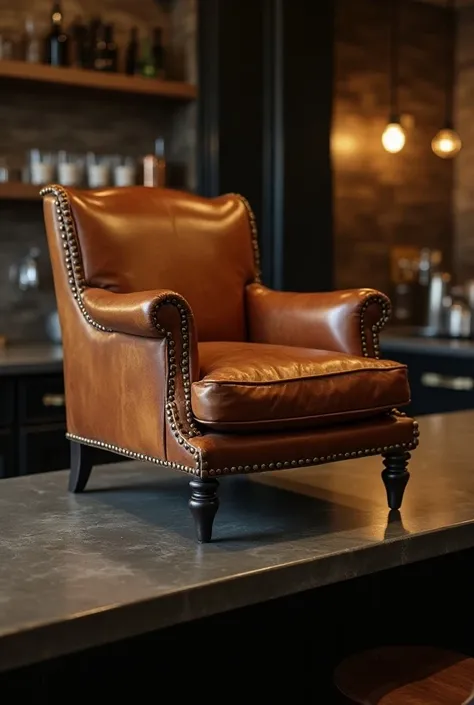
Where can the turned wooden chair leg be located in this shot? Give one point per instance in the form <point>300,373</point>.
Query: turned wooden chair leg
<point>204,504</point>
<point>395,477</point>
<point>81,466</point>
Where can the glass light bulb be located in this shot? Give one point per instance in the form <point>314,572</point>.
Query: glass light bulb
<point>446,144</point>
<point>393,138</point>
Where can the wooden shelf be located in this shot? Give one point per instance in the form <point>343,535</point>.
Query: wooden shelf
<point>171,90</point>
<point>17,191</point>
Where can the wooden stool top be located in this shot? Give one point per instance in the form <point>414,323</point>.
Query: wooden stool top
<point>406,675</point>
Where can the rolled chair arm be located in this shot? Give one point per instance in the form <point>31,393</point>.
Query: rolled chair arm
<point>150,314</point>
<point>342,321</point>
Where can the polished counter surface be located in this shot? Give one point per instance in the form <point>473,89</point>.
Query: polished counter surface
<point>121,559</point>
<point>31,359</point>
<point>407,341</point>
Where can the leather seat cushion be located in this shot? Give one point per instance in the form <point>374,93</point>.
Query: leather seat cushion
<point>255,386</point>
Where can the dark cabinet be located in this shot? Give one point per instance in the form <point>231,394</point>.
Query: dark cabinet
<point>439,383</point>
<point>41,399</point>
<point>41,424</point>
<point>6,453</point>
<point>42,449</point>
<point>33,426</point>
<point>7,404</point>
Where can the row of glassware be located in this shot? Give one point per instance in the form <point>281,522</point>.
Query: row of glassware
<point>93,170</point>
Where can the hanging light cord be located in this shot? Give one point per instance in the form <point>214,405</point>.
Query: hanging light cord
<point>394,40</point>
<point>449,39</point>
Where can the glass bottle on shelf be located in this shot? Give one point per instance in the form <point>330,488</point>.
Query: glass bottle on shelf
<point>131,53</point>
<point>6,47</point>
<point>147,65</point>
<point>158,53</point>
<point>100,60</point>
<point>111,48</point>
<point>154,166</point>
<point>106,53</point>
<point>93,33</point>
<point>153,56</point>
<point>78,34</point>
<point>57,41</point>
<point>31,49</point>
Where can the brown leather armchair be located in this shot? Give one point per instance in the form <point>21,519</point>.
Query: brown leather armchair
<point>174,352</point>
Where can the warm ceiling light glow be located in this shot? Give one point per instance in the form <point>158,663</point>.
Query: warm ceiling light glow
<point>393,138</point>
<point>343,143</point>
<point>446,144</point>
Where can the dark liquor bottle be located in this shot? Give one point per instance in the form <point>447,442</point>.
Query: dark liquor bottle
<point>112,50</point>
<point>158,53</point>
<point>147,64</point>
<point>78,34</point>
<point>131,54</point>
<point>93,32</point>
<point>57,41</point>
<point>105,55</point>
<point>153,56</point>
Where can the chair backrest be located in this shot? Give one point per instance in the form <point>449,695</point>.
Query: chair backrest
<point>136,239</point>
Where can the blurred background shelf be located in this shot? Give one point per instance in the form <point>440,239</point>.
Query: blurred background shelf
<point>17,191</point>
<point>121,83</point>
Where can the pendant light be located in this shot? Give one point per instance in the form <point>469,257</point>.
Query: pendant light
<point>393,138</point>
<point>447,143</point>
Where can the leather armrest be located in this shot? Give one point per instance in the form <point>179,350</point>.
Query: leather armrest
<point>133,314</point>
<point>343,321</point>
<point>151,314</point>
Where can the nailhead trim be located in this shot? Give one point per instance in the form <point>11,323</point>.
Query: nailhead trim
<point>202,470</point>
<point>132,454</point>
<point>181,429</point>
<point>254,232</point>
<point>72,256</point>
<point>377,327</point>
<point>301,462</point>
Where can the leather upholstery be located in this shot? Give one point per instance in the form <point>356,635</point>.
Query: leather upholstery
<point>149,280</point>
<point>233,453</point>
<point>253,386</point>
<point>327,321</point>
<point>135,240</point>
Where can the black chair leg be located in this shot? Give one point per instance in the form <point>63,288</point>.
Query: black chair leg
<point>395,477</point>
<point>81,466</point>
<point>204,504</point>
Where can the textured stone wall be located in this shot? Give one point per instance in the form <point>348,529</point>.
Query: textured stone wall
<point>464,163</point>
<point>53,118</point>
<point>380,199</point>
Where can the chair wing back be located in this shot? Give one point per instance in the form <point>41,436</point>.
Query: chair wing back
<point>138,238</point>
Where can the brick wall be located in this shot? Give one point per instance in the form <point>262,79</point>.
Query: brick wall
<point>54,118</point>
<point>464,163</point>
<point>382,199</point>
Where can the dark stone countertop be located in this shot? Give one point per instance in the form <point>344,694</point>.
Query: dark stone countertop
<point>121,559</point>
<point>31,358</point>
<point>408,341</point>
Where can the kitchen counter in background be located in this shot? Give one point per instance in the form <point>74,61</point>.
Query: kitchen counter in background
<point>406,340</point>
<point>33,411</point>
<point>31,359</point>
<point>441,371</point>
